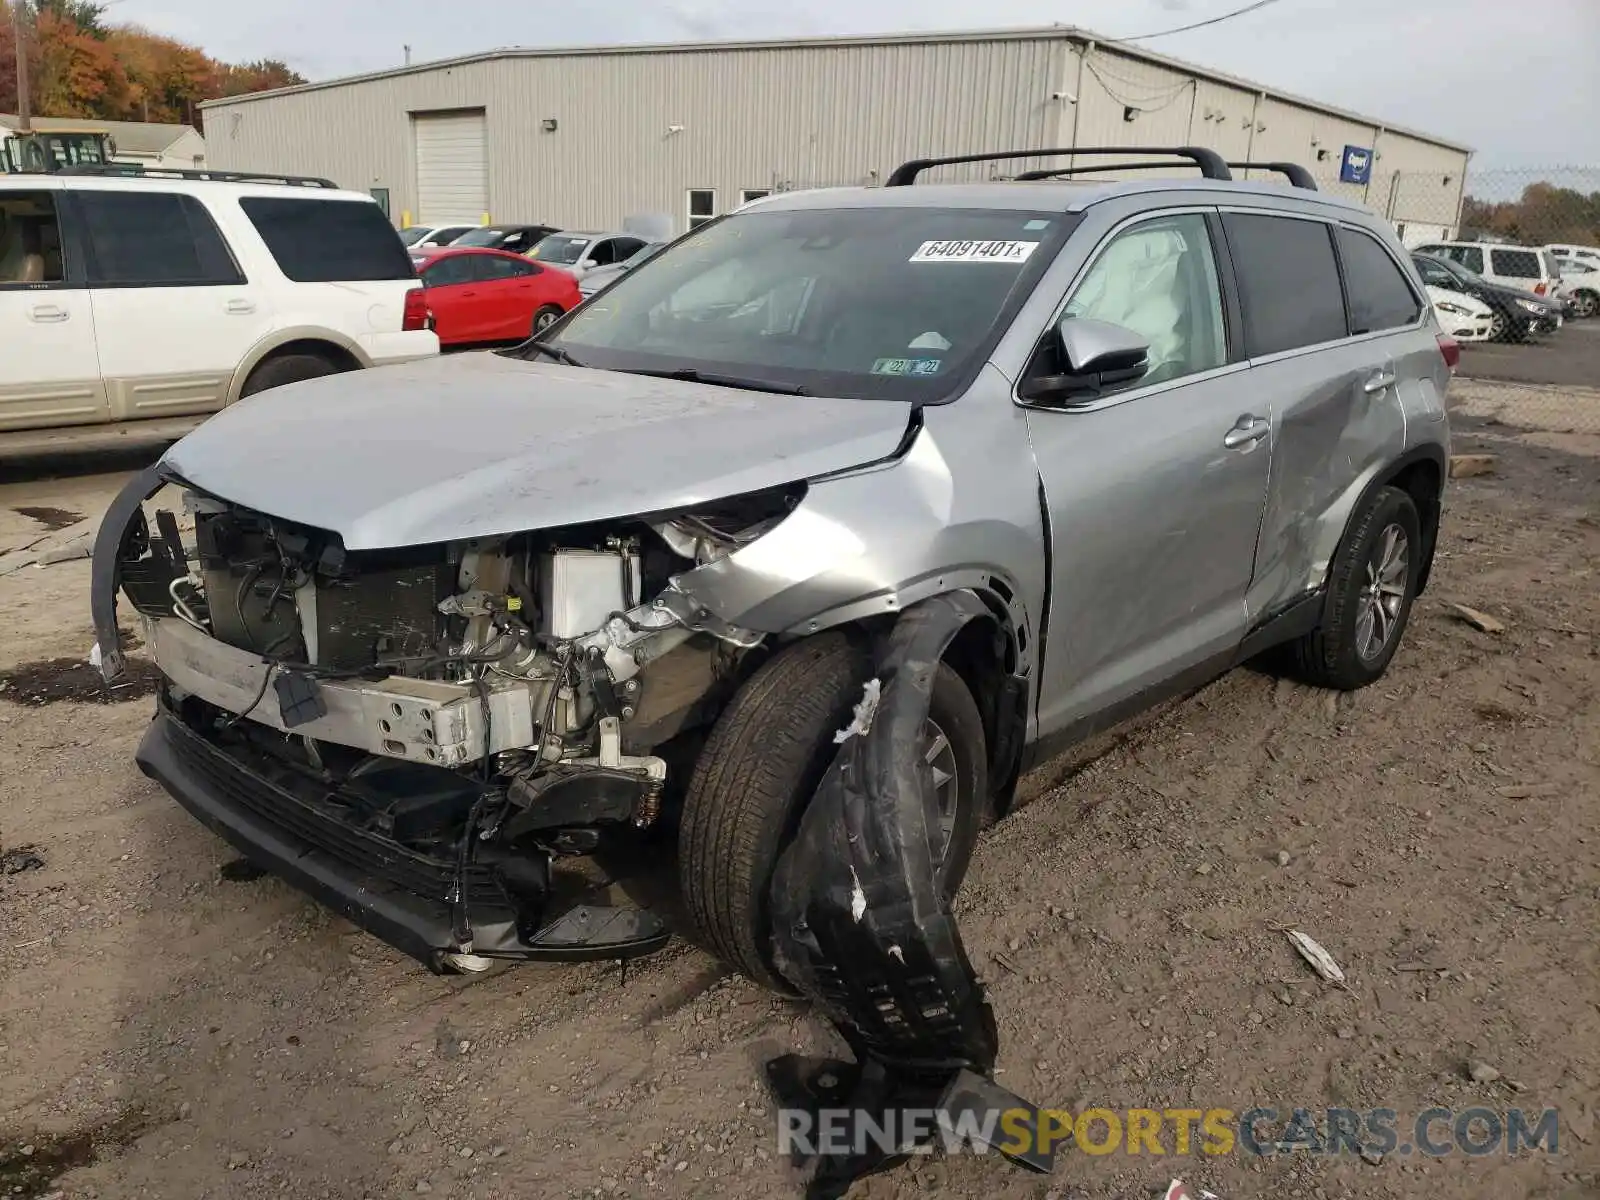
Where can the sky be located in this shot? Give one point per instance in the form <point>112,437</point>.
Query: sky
<point>1523,90</point>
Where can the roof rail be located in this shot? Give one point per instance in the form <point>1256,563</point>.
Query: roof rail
<point>1209,161</point>
<point>136,171</point>
<point>1064,172</point>
<point>1295,173</point>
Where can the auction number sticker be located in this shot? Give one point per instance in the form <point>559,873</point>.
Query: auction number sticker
<point>1001,252</point>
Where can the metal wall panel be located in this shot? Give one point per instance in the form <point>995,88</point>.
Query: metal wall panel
<point>634,131</point>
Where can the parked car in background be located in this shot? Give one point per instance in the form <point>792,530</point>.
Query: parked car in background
<point>429,237</point>
<point>518,239</point>
<point>581,253</point>
<point>1524,267</point>
<point>1459,315</point>
<point>1517,315</point>
<point>598,278</point>
<point>1588,257</point>
<point>1580,283</point>
<point>128,298</point>
<point>482,295</point>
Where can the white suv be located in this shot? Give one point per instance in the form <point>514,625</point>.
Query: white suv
<point>1524,267</point>
<point>140,302</point>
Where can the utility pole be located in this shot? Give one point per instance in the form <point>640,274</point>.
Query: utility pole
<point>24,99</point>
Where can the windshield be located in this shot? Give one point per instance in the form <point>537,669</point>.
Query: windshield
<point>413,234</point>
<point>487,236</point>
<point>875,303</point>
<point>561,249</point>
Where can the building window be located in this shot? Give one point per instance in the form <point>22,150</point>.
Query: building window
<point>702,206</point>
<point>750,194</point>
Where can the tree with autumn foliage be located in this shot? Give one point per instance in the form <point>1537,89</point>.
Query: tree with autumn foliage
<point>82,66</point>
<point>1545,214</point>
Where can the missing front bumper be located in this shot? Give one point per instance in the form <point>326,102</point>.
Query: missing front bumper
<point>393,894</point>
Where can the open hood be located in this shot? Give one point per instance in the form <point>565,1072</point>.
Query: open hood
<point>477,445</point>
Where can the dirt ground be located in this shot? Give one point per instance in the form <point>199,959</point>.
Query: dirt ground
<point>168,1029</point>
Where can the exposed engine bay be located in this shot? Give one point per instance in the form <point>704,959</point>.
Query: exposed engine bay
<point>485,705</point>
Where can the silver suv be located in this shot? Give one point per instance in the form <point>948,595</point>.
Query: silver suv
<point>447,633</point>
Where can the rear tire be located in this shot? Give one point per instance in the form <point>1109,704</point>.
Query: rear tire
<point>1369,593</point>
<point>763,761</point>
<point>544,318</point>
<point>286,368</point>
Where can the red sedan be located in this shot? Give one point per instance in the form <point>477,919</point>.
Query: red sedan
<point>491,296</point>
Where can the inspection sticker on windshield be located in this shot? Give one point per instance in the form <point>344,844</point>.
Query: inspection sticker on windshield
<point>906,366</point>
<point>1001,252</point>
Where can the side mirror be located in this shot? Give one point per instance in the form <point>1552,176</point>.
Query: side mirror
<point>1097,355</point>
<point>586,265</point>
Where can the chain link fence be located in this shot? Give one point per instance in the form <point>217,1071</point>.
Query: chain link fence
<point>1517,241</point>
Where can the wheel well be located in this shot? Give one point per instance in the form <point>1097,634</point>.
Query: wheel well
<point>316,347</point>
<point>985,658</point>
<point>1421,479</point>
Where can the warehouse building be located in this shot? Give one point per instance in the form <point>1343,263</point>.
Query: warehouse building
<point>586,138</point>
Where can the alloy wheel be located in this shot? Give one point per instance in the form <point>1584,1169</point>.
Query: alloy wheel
<point>940,756</point>
<point>1383,596</point>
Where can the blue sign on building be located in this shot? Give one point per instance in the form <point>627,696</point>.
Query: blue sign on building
<point>1356,165</point>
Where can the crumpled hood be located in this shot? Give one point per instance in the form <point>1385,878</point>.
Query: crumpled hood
<point>477,445</point>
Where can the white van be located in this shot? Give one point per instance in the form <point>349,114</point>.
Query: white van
<point>132,296</point>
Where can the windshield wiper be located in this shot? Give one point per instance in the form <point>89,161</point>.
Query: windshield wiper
<point>690,375</point>
<point>555,352</point>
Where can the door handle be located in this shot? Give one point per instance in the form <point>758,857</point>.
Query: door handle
<point>240,307</point>
<point>1383,379</point>
<point>1246,433</point>
<point>47,314</point>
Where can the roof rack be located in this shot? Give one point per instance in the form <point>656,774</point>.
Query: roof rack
<point>1296,174</point>
<point>1209,161</point>
<point>135,171</point>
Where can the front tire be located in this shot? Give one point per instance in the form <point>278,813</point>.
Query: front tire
<point>1370,592</point>
<point>286,368</point>
<point>1585,305</point>
<point>763,761</point>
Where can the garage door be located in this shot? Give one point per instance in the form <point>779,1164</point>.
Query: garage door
<point>452,166</point>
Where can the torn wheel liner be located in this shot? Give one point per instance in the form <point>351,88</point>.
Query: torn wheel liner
<point>859,922</point>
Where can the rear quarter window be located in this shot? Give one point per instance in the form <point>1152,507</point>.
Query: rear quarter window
<point>1288,282</point>
<point>1379,294</point>
<point>1517,264</point>
<point>328,241</point>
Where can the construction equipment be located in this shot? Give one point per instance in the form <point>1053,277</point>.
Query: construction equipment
<point>44,152</point>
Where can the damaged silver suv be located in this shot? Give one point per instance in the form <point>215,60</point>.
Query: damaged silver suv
<point>446,635</point>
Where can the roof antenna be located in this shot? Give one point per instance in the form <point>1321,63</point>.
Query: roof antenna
<point>408,55</point>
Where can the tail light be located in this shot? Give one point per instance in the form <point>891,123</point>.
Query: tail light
<point>1538,288</point>
<point>1451,349</point>
<point>417,314</point>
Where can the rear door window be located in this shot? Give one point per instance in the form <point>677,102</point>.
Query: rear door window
<point>152,239</point>
<point>1288,282</point>
<point>328,241</point>
<point>1379,294</point>
<point>1516,264</point>
<point>496,267</point>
